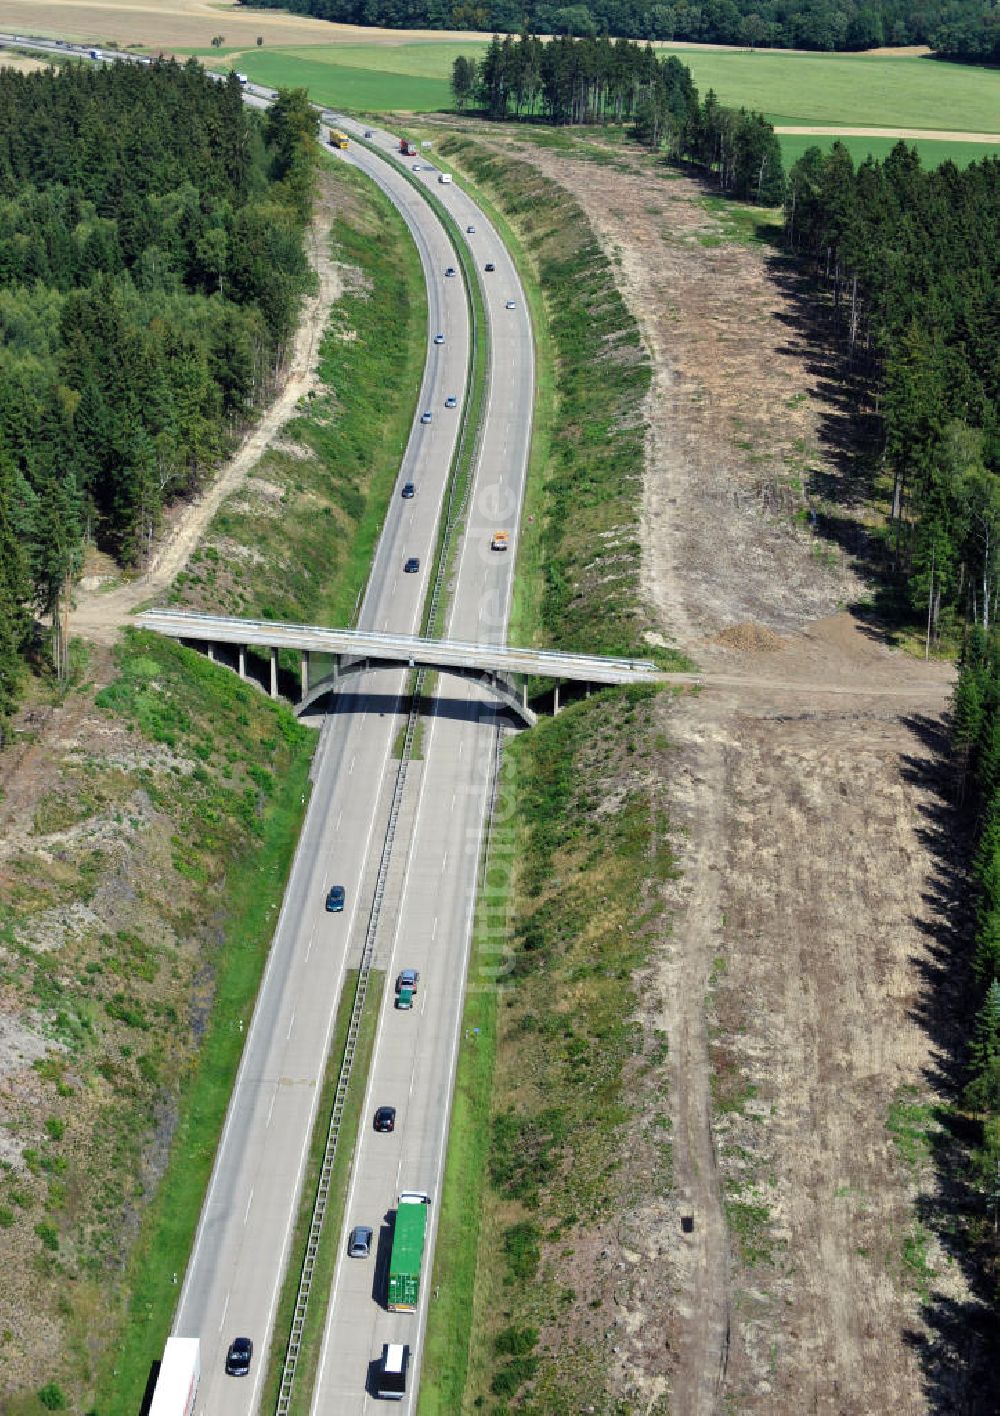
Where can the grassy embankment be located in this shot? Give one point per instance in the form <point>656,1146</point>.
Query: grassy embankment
<point>793,90</point>
<point>553,1064</point>
<point>139,910</point>
<point>318,500</point>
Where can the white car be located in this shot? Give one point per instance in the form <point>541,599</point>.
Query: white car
<point>470,231</point>
<point>511,305</point>
<point>439,339</point>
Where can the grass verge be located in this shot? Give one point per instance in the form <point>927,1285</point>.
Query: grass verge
<point>239,838</point>
<point>333,1226</point>
<point>296,543</point>
<point>578,553</point>
<point>544,1155</point>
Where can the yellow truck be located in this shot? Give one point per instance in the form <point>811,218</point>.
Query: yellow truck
<point>501,540</point>
<point>337,139</point>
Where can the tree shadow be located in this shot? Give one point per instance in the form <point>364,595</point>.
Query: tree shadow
<point>957,1341</point>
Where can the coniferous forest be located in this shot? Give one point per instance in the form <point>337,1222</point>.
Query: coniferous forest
<point>151,268</point>
<point>963,27</point>
<point>616,81</point>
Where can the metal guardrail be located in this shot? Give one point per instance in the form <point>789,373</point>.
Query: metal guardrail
<point>300,1311</point>
<point>322,1196</point>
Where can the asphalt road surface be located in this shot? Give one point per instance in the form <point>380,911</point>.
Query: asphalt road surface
<point>241,1249</point>
<point>429,920</point>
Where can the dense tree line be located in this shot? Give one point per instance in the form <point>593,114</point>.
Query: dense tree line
<point>911,259</point>
<point>973,38</point>
<point>151,266</point>
<point>977,746</point>
<point>604,81</point>
<point>779,24</point>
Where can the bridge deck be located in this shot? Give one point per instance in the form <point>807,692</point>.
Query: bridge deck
<point>399,648</point>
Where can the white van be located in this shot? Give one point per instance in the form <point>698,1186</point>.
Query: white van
<point>445,177</point>
<point>391,1379</point>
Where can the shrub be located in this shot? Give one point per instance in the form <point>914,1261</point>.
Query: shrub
<point>52,1398</point>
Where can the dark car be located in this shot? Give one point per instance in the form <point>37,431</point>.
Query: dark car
<point>411,566</point>
<point>239,1357</point>
<point>470,231</point>
<point>450,270</point>
<point>408,491</point>
<point>335,899</point>
<point>369,133</point>
<point>359,1245</point>
<point>385,1118</point>
<point>489,266</point>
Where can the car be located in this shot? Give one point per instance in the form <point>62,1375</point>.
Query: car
<point>489,266</point>
<point>335,899</point>
<point>511,305</point>
<point>369,133</point>
<point>411,565</point>
<point>470,231</point>
<point>426,416</point>
<point>450,270</point>
<point>239,1357</point>
<point>406,989</point>
<point>439,339</point>
<point>385,1118</point>
<point>408,491</point>
<point>359,1245</point>
<point>451,401</point>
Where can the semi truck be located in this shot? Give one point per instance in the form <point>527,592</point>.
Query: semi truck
<point>338,139</point>
<point>406,148</point>
<point>176,1388</point>
<point>407,1255</point>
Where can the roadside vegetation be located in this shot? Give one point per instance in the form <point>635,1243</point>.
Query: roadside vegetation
<point>138,905</point>
<point>144,864</point>
<point>555,1065</point>
<point>296,541</point>
<point>580,528</point>
<point>145,307</point>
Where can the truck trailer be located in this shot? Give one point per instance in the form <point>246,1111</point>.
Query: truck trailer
<point>177,1384</point>
<point>407,1255</point>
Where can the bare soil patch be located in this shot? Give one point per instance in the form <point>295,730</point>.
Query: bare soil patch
<point>803,779</point>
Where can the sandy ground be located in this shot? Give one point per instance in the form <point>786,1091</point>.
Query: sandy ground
<point>100,611</point>
<point>804,778</point>
<point>928,134</point>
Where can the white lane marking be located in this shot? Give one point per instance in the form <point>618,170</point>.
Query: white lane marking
<point>340,817</point>
<point>434,935</point>
<point>353,760</point>
<point>291,1024</point>
<point>270,1109</point>
<point>444,863</point>
<point>246,1212</point>
<point>225,1310</point>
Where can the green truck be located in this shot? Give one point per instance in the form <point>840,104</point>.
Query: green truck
<point>407,1251</point>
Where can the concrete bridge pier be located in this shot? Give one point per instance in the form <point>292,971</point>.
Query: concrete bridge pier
<point>304,673</point>
<point>274,672</point>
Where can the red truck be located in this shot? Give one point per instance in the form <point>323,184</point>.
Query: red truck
<point>407,148</point>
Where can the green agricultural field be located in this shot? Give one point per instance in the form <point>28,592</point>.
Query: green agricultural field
<point>823,89</point>
<point>932,153</point>
<point>853,90</point>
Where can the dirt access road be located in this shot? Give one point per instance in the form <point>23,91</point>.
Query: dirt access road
<point>805,793</point>
<point>100,610</point>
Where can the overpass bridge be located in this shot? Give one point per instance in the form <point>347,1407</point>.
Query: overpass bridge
<point>503,671</point>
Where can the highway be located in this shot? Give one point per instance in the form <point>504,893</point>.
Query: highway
<point>430,928</point>
<point>242,1245</point>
